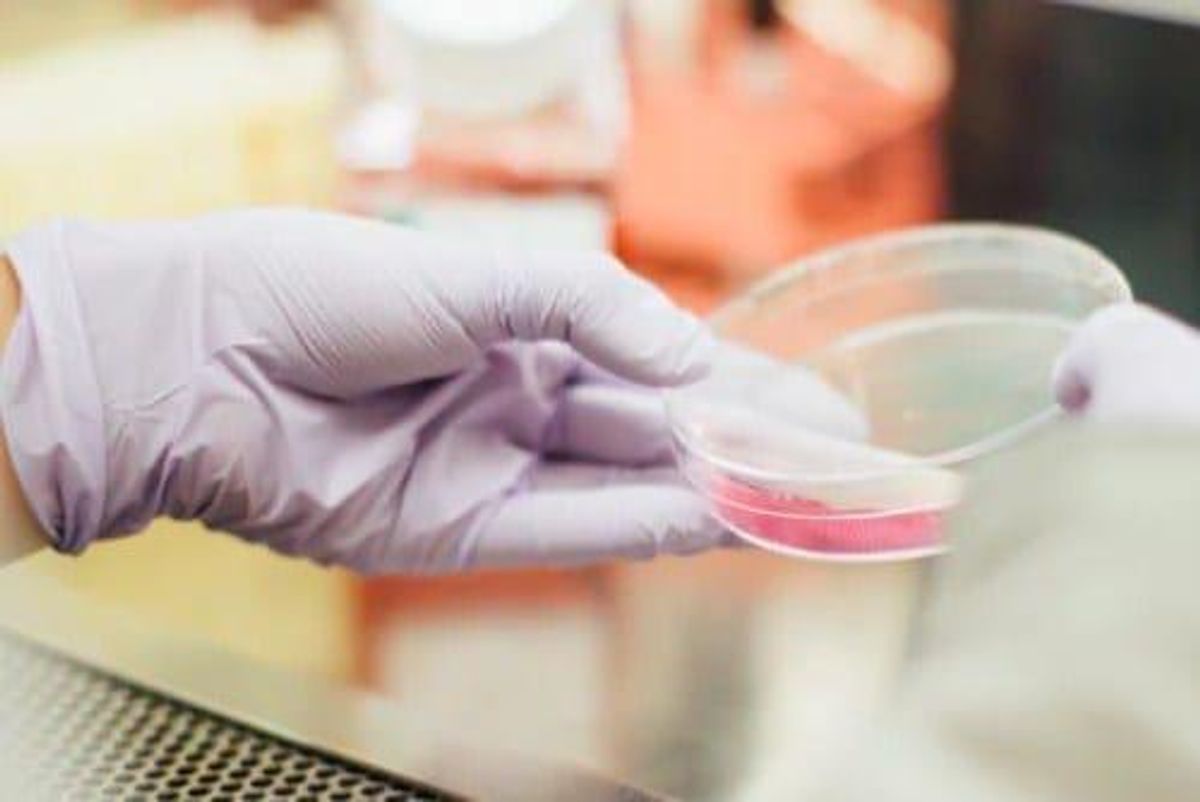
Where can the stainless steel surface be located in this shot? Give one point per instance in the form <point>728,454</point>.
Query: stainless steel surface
<point>73,732</point>
<point>297,717</point>
<point>745,677</point>
<point>735,676</point>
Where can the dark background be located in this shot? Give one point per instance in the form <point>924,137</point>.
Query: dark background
<point>1089,122</point>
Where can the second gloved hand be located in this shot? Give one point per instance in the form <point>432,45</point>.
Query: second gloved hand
<point>347,391</point>
<point>1132,364</point>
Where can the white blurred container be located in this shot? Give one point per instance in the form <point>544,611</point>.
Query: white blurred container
<point>492,103</point>
<point>483,58</point>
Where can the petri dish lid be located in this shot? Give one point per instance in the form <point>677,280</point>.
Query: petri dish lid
<point>861,376</point>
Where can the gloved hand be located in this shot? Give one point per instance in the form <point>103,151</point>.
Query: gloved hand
<point>1131,364</point>
<point>348,391</point>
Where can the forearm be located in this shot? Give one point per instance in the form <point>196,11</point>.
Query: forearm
<point>19,531</point>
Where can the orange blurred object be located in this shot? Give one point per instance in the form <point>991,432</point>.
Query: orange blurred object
<point>773,143</point>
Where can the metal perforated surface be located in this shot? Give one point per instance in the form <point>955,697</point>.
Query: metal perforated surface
<point>68,732</point>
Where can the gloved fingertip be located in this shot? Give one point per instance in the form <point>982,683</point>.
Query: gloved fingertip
<point>662,347</point>
<point>617,319</point>
<point>1070,390</point>
<point>697,533</point>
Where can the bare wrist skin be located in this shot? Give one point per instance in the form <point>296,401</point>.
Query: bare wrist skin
<point>19,530</point>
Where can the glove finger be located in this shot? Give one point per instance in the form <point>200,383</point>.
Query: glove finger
<point>621,322</point>
<point>758,383</point>
<point>1124,353</point>
<point>356,306</point>
<point>576,475</point>
<point>590,514</point>
<point>1075,368</point>
<point>567,475</point>
<point>610,423</point>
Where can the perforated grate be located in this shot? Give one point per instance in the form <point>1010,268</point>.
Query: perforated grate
<point>73,733</point>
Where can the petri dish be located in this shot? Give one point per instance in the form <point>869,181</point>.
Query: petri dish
<point>854,387</point>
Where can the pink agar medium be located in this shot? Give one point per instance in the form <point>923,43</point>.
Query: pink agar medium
<point>809,525</point>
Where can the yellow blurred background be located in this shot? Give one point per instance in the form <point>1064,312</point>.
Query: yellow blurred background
<point>119,110</point>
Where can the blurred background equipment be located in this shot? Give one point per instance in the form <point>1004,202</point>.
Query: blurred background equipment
<point>721,139</point>
<point>766,130</point>
<point>499,118</point>
<point>707,142</point>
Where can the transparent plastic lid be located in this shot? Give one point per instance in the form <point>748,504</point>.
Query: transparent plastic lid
<point>853,385</point>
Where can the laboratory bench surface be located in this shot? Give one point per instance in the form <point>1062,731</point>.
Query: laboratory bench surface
<point>733,676</point>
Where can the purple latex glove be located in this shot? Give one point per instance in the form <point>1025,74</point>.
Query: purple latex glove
<point>1132,364</point>
<point>348,391</point>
